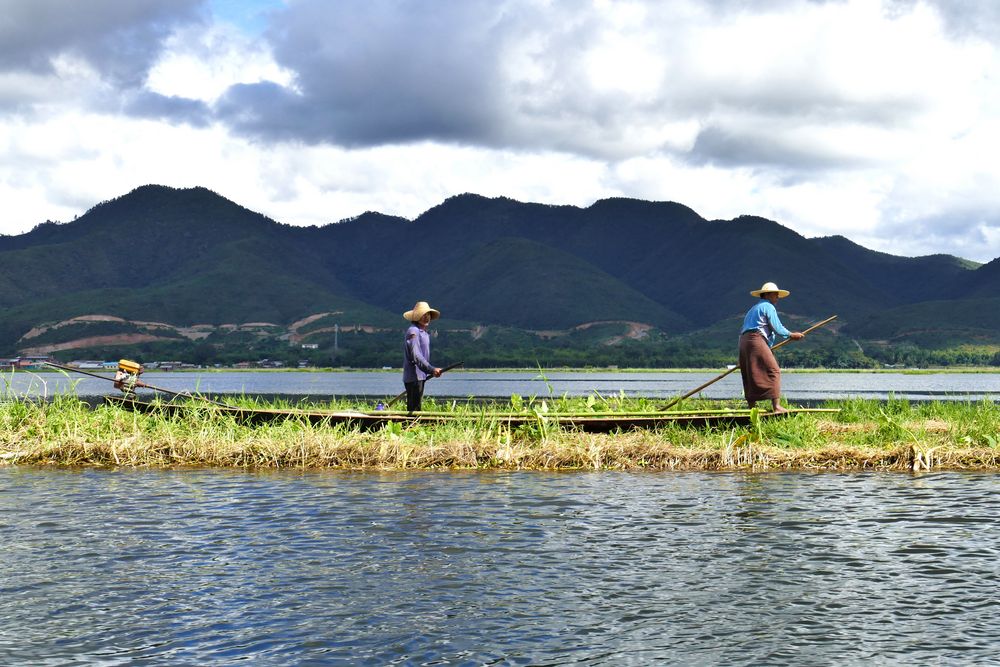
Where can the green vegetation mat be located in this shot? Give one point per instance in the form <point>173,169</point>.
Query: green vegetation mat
<point>864,434</point>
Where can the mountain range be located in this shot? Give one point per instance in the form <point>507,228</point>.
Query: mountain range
<point>188,266</point>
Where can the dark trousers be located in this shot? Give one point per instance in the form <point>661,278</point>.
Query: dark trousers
<point>414,394</point>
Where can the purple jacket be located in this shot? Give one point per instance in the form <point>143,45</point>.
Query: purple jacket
<point>417,355</point>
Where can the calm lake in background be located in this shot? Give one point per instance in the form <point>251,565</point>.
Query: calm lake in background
<point>200,567</point>
<point>811,386</point>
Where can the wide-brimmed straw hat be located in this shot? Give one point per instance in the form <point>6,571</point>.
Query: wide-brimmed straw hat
<point>419,311</point>
<point>770,287</point>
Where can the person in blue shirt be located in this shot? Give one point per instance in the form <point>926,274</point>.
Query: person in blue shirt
<point>417,353</point>
<point>761,327</point>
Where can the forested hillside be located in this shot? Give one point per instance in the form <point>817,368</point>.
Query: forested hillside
<point>186,273</point>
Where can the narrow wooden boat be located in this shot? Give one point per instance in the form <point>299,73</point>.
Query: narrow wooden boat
<point>595,422</point>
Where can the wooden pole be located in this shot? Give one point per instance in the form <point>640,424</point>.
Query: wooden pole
<point>736,368</point>
<point>138,383</point>
<point>443,371</point>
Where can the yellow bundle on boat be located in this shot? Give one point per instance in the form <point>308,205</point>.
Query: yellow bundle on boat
<point>131,367</point>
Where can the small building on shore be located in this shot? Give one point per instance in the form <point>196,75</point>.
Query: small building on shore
<point>87,364</point>
<point>25,362</point>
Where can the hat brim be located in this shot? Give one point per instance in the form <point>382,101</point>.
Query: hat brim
<point>782,293</point>
<point>415,316</point>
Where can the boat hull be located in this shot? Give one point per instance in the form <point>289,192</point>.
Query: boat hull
<point>588,422</point>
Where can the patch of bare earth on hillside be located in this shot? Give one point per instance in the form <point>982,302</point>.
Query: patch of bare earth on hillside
<point>634,330</point>
<point>39,330</point>
<point>298,324</point>
<point>194,332</point>
<point>95,341</point>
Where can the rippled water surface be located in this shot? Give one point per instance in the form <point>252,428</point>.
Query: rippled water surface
<point>215,567</point>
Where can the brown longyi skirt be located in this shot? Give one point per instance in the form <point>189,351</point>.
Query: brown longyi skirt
<point>759,368</point>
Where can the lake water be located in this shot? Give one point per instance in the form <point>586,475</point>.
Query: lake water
<point>795,386</point>
<point>314,568</point>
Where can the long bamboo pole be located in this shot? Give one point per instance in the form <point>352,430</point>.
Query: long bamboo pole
<point>443,371</point>
<point>138,383</point>
<point>735,368</point>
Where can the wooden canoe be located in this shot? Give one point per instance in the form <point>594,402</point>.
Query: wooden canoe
<point>595,422</point>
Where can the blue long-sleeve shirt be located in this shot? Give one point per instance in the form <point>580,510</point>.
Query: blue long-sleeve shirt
<point>763,317</point>
<point>417,355</point>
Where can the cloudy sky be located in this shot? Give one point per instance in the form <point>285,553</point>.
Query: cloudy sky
<point>875,119</point>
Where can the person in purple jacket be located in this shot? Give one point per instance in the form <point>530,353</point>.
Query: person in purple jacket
<point>759,368</point>
<point>417,353</point>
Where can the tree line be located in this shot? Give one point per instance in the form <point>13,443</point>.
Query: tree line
<point>361,350</point>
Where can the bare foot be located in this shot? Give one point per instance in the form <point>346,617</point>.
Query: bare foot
<point>779,410</point>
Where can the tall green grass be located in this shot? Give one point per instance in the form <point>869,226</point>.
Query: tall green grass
<point>865,434</point>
